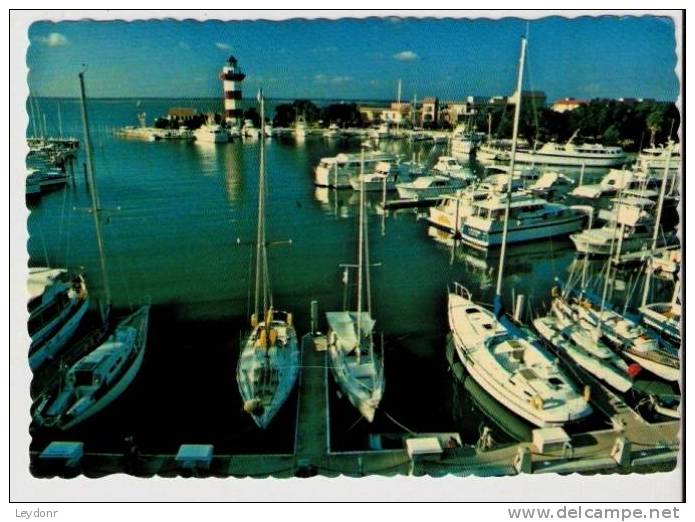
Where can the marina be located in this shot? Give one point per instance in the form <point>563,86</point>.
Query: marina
<point>250,287</point>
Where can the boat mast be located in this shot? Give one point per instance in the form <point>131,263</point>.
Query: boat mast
<point>398,119</point>
<point>659,209</point>
<point>96,204</point>
<point>360,255</point>
<point>609,262</point>
<point>260,233</point>
<point>515,132</point>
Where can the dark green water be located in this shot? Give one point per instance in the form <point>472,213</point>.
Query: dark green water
<point>177,210</point>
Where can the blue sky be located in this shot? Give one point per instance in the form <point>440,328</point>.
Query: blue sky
<point>358,59</point>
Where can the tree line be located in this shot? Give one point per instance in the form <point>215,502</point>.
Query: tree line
<point>632,125</point>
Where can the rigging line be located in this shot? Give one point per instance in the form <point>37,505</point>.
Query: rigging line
<point>398,423</point>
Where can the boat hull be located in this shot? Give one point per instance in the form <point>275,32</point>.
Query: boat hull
<point>287,367</point>
<point>540,231</point>
<point>563,160</point>
<point>59,338</point>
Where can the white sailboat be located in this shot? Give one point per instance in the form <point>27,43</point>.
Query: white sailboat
<point>268,363</point>
<point>101,376</point>
<point>355,365</point>
<point>506,361</point>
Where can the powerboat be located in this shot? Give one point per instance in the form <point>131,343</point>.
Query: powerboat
<point>336,171</point>
<point>530,218</point>
<point>430,187</point>
<point>57,303</point>
<point>211,133</point>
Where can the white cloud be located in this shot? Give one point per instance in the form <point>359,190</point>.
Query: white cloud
<point>406,56</point>
<point>53,40</point>
<point>223,46</point>
<point>334,80</point>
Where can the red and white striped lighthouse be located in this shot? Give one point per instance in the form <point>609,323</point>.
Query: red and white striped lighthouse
<point>232,77</point>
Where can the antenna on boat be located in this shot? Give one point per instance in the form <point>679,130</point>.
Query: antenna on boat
<point>517,111</point>
<point>96,204</point>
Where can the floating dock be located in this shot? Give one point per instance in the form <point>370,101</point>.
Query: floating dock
<point>631,444</point>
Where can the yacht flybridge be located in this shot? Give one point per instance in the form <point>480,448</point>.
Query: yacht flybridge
<point>268,364</point>
<point>507,361</point>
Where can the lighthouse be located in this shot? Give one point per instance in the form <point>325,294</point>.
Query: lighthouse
<point>232,77</point>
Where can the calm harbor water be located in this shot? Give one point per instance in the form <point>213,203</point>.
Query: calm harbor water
<point>174,214</point>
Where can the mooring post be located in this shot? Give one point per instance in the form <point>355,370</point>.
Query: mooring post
<point>314,316</point>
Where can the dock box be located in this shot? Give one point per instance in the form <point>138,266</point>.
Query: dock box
<point>195,456</point>
<point>550,439</point>
<point>68,454</point>
<point>423,446</point>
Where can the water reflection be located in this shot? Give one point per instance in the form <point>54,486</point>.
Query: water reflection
<point>234,166</point>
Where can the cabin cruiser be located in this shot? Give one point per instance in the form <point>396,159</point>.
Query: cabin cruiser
<point>211,133</point>
<point>613,182</point>
<point>515,369</point>
<point>630,227</point>
<point>249,130</point>
<point>572,155</point>
<point>429,187</point>
<point>384,177</point>
<point>57,304</point>
<point>530,218</point>
<point>336,171</point>
<point>497,150</point>
<point>98,378</point>
<point>333,131</point>
<point>548,183</point>
<point>450,166</point>
<point>654,158</point>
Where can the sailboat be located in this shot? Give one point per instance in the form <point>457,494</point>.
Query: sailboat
<point>506,361</point>
<point>356,367</point>
<point>107,370</point>
<point>269,360</point>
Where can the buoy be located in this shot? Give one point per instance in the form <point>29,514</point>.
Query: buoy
<point>634,369</point>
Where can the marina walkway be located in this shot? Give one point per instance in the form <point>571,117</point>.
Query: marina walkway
<point>629,445</point>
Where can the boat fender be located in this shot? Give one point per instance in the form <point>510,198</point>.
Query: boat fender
<point>587,393</point>
<point>253,406</point>
<point>633,370</point>
<point>290,318</point>
<point>254,320</point>
<point>537,402</point>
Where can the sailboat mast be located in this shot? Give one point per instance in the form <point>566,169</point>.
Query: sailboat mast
<point>96,204</point>
<point>260,232</point>
<point>657,224</point>
<point>360,250</point>
<point>398,119</point>
<point>515,132</point>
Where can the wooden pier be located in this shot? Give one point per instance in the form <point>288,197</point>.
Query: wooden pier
<point>630,444</point>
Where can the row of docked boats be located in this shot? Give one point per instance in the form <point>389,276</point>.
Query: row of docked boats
<point>522,370</point>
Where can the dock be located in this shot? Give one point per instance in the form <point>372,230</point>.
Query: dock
<point>629,444</point>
